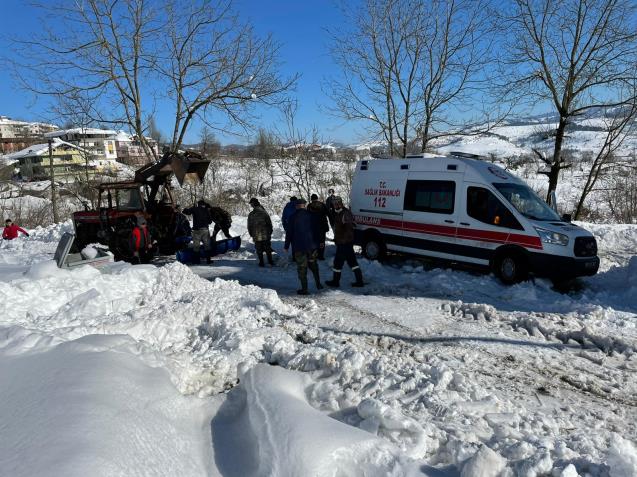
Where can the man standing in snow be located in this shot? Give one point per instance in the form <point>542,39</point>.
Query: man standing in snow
<point>140,243</point>
<point>320,209</point>
<point>260,229</point>
<point>288,212</point>
<point>304,234</point>
<point>201,219</point>
<point>11,230</point>
<point>182,230</point>
<point>329,204</point>
<point>343,227</point>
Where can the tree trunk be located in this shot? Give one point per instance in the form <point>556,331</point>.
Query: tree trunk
<point>554,173</point>
<point>425,137</point>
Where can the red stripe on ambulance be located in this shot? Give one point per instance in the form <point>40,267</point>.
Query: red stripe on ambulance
<point>461,233</point>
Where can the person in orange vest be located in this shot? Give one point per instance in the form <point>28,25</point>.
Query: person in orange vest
<point>140,242</point>
<point>11,230</point>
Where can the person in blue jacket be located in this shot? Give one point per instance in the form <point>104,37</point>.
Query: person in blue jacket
<point>288,212</point>
<point>305,233</point>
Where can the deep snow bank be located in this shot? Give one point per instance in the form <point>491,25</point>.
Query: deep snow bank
<point>294,438</point>
<point>92,407</point>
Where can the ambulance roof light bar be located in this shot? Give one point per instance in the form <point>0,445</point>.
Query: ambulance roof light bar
<point>466,155</point>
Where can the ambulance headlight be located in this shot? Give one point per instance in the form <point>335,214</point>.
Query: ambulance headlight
<point>548,236</point>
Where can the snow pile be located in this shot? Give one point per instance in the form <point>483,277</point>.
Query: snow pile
<point>89,252</point>
<point>204,328</point>
<point>92,407</point>
<point>440,376</point>
<point>313,443</point>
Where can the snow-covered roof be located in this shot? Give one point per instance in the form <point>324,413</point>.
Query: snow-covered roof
<point>8,120</point>
<point>81,131</point>
<point>39,150</point>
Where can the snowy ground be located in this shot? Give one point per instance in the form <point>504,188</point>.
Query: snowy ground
<point>223,370</point>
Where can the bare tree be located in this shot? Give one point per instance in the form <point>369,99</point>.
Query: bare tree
<point>130,53</point>
<point>576,55</point>
<point>456,51</point>
<point>104,54</point>
<point>299,163</point>
<point>217,63</point>
<point>75,109</point>
<point>618,127</point>
<point>407,66</point>
<point>154,132</point>
<point>367,54</point>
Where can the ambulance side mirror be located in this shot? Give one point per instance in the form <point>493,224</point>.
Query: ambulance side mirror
<point>566,218</point>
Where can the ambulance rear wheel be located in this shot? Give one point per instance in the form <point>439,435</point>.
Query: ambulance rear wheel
<point>374,247</point>
<point>510,268</point>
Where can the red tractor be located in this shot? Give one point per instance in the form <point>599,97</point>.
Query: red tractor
<point>149,194</point>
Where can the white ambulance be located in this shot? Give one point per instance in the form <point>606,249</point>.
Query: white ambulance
<point>464,209</point>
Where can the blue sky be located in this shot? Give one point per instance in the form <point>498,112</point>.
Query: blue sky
<point>298,25</point>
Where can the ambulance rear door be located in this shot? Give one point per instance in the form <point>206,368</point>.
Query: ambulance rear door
<point>377,202</point>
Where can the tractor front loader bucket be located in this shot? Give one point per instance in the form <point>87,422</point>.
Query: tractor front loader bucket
<point>189,169</point>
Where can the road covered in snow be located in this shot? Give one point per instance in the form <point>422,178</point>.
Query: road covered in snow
<point>224,370</point>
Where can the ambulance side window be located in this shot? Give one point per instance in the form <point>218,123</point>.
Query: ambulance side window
<point>484,206</point>
<point>430,196</point>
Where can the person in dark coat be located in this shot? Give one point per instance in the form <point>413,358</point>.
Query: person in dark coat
<point>320,209</point>
<point>260,229</point>
<point>201,219</point>
<point>288,212</point>
<point>343,227</point>
<point>11,230</point>
<point>304,234</point>
<point>222,220</point>
<point>329,204</point>
<point>141,244</point>
<point>182,231</point>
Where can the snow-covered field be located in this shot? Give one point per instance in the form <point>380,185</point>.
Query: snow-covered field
<point>223,370</point>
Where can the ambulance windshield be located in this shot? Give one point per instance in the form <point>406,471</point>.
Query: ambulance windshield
<point>526,201</point>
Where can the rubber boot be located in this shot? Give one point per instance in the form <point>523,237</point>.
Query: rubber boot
<point>303,290</point>
<point>335,281</point>
<point>261,264</point>
<point>317,278</point>
<point>208,257</point>
<point>270,261</point>
<point>196,258</point>
<point>359,278</point>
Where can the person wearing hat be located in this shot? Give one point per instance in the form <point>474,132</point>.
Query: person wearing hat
<point>140,242</point>
<point>260,229</point>
<point>11,230</point>
<point>343,227</point>
<point>320,209</point>
<point>201,219</point>
<point>304,234</point>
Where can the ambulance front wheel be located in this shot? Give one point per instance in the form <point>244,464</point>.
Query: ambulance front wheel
<point>510,268</point>
<point>374,247</point>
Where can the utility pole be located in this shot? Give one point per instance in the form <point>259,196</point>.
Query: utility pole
<point>54,203</point>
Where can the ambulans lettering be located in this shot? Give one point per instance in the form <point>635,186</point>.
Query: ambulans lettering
<point>366,220</point>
